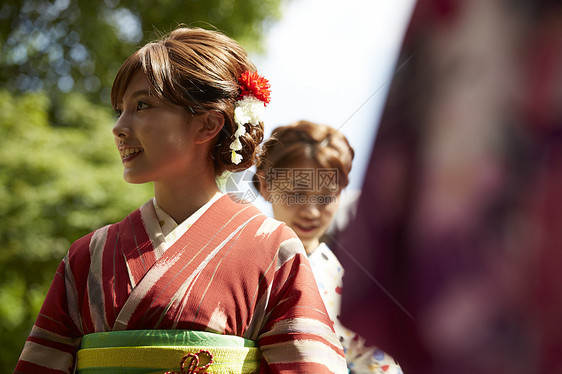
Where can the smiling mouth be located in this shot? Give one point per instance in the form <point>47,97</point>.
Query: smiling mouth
<point>128,154</point>
<point>306,229</point>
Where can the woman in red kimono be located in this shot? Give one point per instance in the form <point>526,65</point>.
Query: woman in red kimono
<point>191,281</point>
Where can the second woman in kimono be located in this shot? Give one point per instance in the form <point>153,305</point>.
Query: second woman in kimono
<point>191,281</point>
<point>302,172</point>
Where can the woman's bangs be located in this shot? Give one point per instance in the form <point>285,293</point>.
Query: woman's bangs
<point>123,78</point>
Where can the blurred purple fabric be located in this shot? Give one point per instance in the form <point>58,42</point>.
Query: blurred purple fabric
<point>452,261</point>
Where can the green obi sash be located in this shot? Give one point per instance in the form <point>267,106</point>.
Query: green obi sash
<point>159,351</point>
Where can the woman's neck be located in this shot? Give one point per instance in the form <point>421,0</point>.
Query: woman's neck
<point>181,198</point>
<point>311,245</point>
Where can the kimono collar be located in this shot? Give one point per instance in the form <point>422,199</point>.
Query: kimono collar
<point>170,228</point>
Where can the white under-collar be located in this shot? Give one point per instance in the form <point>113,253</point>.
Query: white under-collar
<point>171,230</point>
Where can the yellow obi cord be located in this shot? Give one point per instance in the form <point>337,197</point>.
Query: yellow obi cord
<point>161,351</point>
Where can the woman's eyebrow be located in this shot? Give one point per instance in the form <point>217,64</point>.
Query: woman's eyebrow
<point>134,95</point>
<point>138,93</point>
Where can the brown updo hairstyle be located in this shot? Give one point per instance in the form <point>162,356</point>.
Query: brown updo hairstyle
<point>304,140</point>
<point>197,69</point>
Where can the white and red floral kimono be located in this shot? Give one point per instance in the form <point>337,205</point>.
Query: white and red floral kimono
<point>360,358</point>
<point>232,271</point>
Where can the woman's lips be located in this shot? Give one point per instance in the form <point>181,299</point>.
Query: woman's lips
<point>127,154</point>
<point>306,228</point>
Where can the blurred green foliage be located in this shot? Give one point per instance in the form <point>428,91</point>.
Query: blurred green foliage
<point>78,45</point>
<point>60,174</point>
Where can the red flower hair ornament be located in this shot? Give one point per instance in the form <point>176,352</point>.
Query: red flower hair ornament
<point>248,108</point>
<point>252,84</point>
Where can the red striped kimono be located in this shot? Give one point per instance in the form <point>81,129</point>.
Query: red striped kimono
<point>235,271</point>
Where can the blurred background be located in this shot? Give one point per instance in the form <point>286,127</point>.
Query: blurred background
<point>452,261</point>
<point>454,108</point>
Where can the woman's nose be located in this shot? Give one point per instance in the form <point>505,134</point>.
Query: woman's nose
<point>310,211</point>
<point>121,130</point>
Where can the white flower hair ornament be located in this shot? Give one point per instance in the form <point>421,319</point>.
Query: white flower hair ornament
<point>248,108</point>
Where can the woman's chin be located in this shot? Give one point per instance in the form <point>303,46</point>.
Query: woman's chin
<point>134,179</point>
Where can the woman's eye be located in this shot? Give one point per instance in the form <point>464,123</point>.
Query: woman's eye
<point>141,105</point>
<point>118,113</point>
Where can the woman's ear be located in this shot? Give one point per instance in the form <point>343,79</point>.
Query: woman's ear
<point>210,124</point>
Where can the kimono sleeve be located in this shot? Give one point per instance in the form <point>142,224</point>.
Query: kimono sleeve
<point>54,338</point>
<point>298,335</point>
